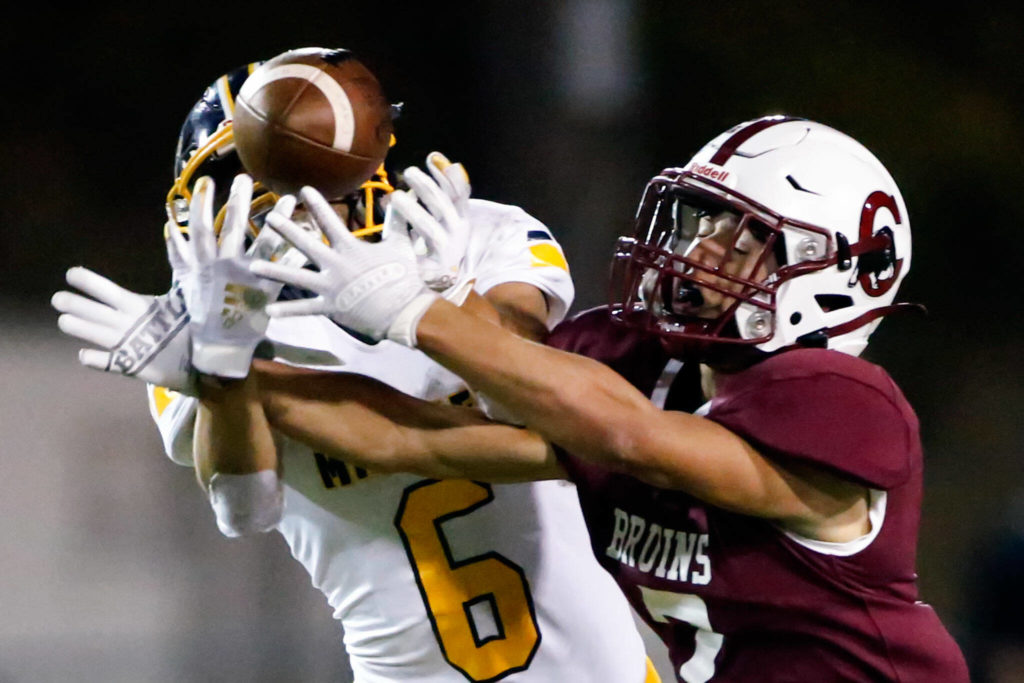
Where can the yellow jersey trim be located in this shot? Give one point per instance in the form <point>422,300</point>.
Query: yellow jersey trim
<point>162,398</point>
<point>547,255</point>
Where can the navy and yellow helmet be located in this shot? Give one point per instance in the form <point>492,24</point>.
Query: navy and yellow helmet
<point>206,147</point>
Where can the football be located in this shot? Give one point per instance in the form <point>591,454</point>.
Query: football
<point>312,116</point>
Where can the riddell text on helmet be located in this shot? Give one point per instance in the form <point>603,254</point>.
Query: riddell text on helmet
<point>708,171</point>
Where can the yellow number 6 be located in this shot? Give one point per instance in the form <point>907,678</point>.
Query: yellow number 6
<point>454,590</point>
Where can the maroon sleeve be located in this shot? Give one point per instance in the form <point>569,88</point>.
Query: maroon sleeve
<point>636,356</point>
<point>824,408</point>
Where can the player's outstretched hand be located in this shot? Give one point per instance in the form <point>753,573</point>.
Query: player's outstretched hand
<point>225,301</point>
<point>138,335</point>
<point>373,289</point>
<point>442,232</point>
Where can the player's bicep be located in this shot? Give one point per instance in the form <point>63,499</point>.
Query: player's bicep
<point>522,308</point>
<point>692,453</point>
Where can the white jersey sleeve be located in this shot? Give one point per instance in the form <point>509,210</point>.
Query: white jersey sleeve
<point>175,416</point>
<point>510,245</point>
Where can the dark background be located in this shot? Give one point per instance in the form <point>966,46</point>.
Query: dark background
<point>566,108</point>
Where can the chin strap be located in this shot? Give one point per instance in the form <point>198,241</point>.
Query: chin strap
<point>819,338</point>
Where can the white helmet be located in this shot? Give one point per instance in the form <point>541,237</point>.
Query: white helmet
<point>823,207</point>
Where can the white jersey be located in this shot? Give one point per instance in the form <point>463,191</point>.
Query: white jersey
<point>444,581</point>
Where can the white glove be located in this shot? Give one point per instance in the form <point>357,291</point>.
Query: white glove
<point>140,336</point>
<point>452,178</point>
<point>225,301</point>
<point>442,232</point>
<point>373,289</point>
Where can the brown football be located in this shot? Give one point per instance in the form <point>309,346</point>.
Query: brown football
<point>312,116</point>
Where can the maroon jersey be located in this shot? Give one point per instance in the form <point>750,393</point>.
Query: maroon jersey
<point>736,598</point>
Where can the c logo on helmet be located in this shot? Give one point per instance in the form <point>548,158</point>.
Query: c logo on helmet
<point>876,286</point>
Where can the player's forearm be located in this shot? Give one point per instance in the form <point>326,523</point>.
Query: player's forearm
<point>571,400</point>
<point>232,434</point>
<point>369,424</point>
<point>337,413</point>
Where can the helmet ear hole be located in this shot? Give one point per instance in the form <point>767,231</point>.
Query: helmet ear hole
<point>833,302</point>
<point>881,259</point>
<point>844,259</point>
